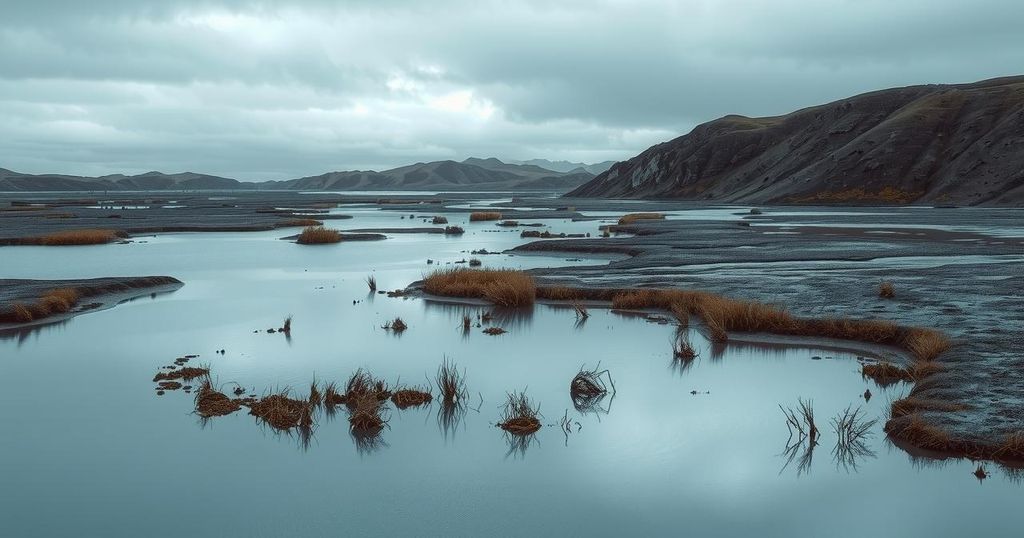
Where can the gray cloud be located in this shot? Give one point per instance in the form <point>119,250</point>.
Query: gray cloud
<point>262,90</point>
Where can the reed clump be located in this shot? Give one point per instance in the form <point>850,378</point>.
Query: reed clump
<point>454,230</point>
<point>910,405</point>
<point>371,282</point>
<point>503,287</point>
<point>366,416</point>
<point>439,220</point>
<point>451,383</point>
<point>362,384</point>
<point>887,290</point>
<point>519,415</point>
<point>484,215</point>
<point>75,237</point>
<point>630,218</point>
<point>282,412</point>
<point>396,326</point>
<point>318,235</point>
<point>187,373</point>
<point>411,397</point>
<point>210,402</point>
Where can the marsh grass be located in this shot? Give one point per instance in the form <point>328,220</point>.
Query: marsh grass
<point>371,282</point>
<point>315,396</point>
<point>454,230</point>
<point>503,287</point>
<point>210,402</point>
<point>187,373</point>
<point>318,235</point>
<point>887,290</point>
<point>885,373</point>
<point>366,417</point>
<point>75,237</point>
<point>451,383</point>
<point>439,220</point>
<point>630,218</point>
<point>282,412</point>
<point>396,326</point>
<point>405,398</point>
<point>520,415</point>
<point>477,216</point>
<point>580,309</point>
<point>362,384</point>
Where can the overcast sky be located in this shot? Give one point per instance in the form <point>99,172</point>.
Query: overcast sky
<point>271,90</point>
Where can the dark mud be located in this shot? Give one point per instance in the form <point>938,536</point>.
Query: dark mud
<point>956,270</point>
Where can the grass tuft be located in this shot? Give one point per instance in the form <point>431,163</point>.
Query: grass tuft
<point>484,215</point>
<point>503,287</point>
<point>519,415</point>
<point>630,218</point>
<point>318,235</point>
<point>887,290</point>
<point>451,383</point>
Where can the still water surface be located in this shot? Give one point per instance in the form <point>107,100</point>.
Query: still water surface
<point>90,450</point>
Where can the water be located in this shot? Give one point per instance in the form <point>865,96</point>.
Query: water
<point>91,450</point>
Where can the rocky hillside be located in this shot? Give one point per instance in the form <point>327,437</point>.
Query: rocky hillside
<point>957,144</point>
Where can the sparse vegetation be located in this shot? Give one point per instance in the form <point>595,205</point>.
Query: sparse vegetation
<point>371,282</point>
<point>503,287</point>
<point>484,215</point>
<point>589,388</point>
<point>439,220</point>
<point>396,326</point>
<point>451,383</point>
<point>454,230</point>
<point>187,373</point>
<point>508,223</point>
<point>318,235</point>
<point>885,373</point>
<point>519,415</point>
<point>361,384</point>
<point>887,290</point>
<point>467,322</point>
<point>630,218</point>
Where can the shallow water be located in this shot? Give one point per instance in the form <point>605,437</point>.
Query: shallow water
<point>91,450</point>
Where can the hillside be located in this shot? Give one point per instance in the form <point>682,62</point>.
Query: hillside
<point>957,144</point>
<point>471,174</point>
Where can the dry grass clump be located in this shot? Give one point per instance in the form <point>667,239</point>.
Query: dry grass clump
<point>331,396</point>
<point>926,344</point>
<point>885,373</point>
<point>213,403</point>
<point>298,223</point>
<point>503,287</point>
<point>75,237</point>
<point>484,215</point>
<point>1011,448</point>
<point>366,417</point>
<point>55,301</point>
<point>921,434</point>
<point>20,313</point>
<point>589,388</point>
<point>409,397</point>
<point>318,235</point>
<point>315,396</point>
<point>519,415</point>
<point>361,384</point>
<point>59,300</point>
<point>282,412</point>
<point>454,230</point>
<point>187,373</point>
<point>887,290</point>
<point>451,383</point>
<point>909,406</point>
<point>559,293</point>
<point>371,282</point>
<point>396,326</point>
<point>630,218</point>
<point>439,220</point>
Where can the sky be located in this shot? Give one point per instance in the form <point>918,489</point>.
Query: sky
<point>261,90</point>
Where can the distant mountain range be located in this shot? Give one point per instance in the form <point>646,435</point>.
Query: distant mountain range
<point>471,174</point>
<point>566,166</point>
<point>959,144</point>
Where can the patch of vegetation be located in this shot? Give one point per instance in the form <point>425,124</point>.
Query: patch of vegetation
<point>503,287</point>
<point>477,216</point>
<point>630,218</point>
<point>318,235</point>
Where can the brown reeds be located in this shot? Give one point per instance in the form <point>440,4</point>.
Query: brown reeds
<point>75,237</point>
<point>451,383</point>
<point>439,220</point>
<point>630,218</point>
<point>318,235</point>
<point>371,282</point>
<point>519,415</point>
<point>396,326</point>
<point>410,397</point>
<point>589,388</point>
<point>366,415</point>
<point>454,230</point>
<point>800,423</point>
<point>508,223</point>
<point>503,287</point>
<point>315,396</point>
<point>210,402</point>
<point>331,396</point>
<point>484,215</point>
<point>187,373</point>
<point>282,412</point>
<point>887,290</point>
<point>362,383</point>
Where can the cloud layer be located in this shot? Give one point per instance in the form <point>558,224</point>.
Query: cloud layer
<point>271,90</point>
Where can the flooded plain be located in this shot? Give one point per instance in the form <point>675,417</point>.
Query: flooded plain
<point>699,449</point>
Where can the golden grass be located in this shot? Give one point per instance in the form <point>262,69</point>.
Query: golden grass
<point>451,383</point>
<point>318,235</point>
<point>559,293</point>
<point>926,344</point>
<point>55,301</point>
<point>371,282</point>
<point>282,412</point>
<point>885,373</point>
<point>484,215</point>
<point>75,237</point>
<point>454,230</point>
<point>630,218</point>
<point>922,434</point>
<point>503,287</point>
<point>439,220</point>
